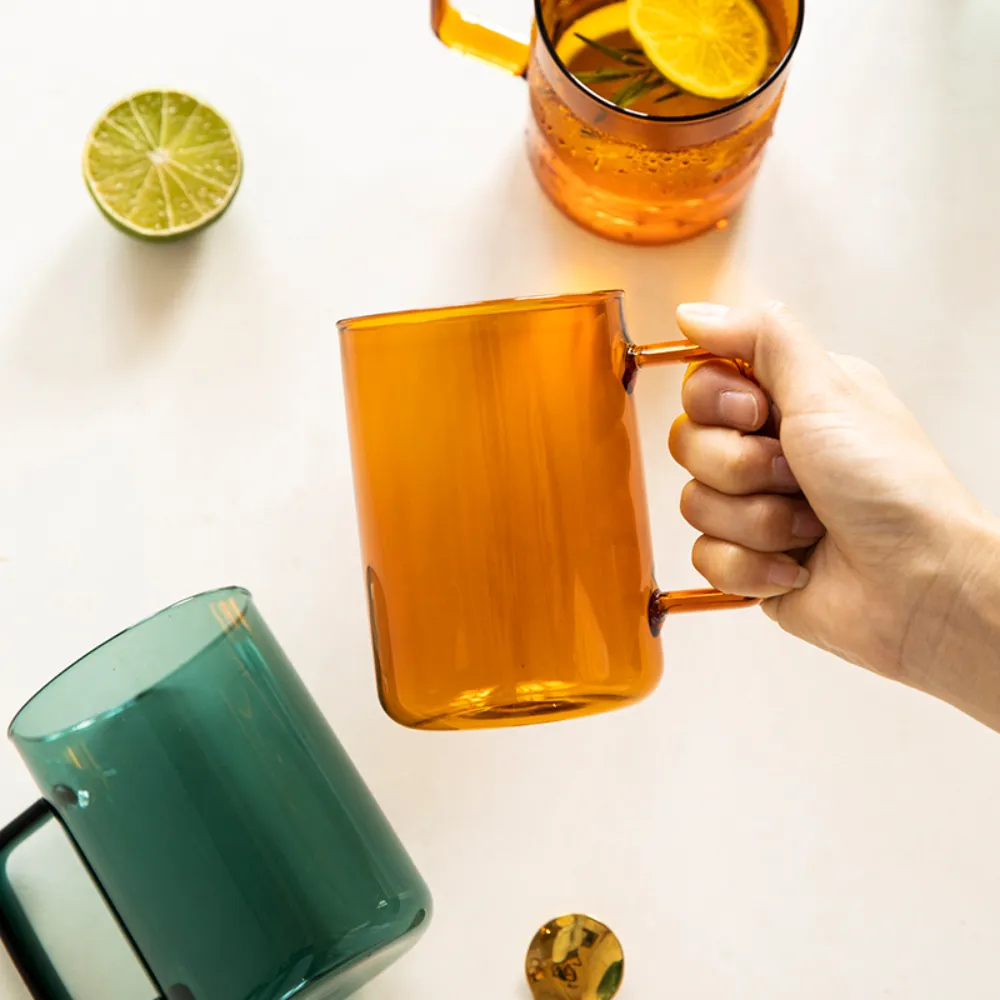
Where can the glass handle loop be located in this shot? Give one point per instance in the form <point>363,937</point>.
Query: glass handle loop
<point>671,602</point>
<point>675,352</point>
<point>477,40</point>
<point>23,945</point>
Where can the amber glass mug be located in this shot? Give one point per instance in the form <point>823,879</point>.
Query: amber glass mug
<point>632,177</point>
<point>502,510</point>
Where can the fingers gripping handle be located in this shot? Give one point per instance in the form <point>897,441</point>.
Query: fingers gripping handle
<point>670,602</point>
<point>477,40</point>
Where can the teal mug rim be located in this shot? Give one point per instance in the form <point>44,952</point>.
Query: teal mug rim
<point>214,593</point>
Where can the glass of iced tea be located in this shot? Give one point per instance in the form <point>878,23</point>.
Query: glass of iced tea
<point>649,117</point>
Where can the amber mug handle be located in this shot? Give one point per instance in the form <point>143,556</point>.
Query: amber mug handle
<point>474,39</point>
<point>673,602</point>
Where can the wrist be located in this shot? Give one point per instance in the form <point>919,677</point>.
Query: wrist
<point>953,649</point>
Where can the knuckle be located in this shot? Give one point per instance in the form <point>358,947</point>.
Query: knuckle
<point>743,464</point>
<point>696,371</point>
<point>702,557</point>
<point>769,523</point>
<point>716,560</point>
<point>858,368</point>
<point>739,570</point>
<point>777,319</point>
<point>693,391</point>
<point>776,310</point>
<point>731,564</point>
<point>772,327</point>
<point>779,324</point>
<point>690,496</point>
<point>734,467</point>
<point>703,386</point>
<point>680,429</point>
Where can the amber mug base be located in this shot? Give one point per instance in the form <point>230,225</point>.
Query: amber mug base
<point>464,713</point>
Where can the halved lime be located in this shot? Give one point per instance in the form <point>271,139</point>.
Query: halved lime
<point>160,164</point>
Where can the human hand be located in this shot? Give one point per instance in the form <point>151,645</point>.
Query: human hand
<point>849,523</point>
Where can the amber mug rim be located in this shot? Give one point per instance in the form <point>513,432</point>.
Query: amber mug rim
<point>776,75</point>
<point>484,307</point>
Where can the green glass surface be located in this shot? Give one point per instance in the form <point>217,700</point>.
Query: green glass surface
<point>241,850</point>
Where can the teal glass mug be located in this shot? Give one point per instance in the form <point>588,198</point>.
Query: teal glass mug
<point>239,850</point>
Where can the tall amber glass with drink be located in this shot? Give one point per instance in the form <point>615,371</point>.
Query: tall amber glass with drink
<point>649,118</point>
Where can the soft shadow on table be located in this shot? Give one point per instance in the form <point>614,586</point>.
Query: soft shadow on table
<point>521,244</point>
<point>105,304</point>
<point>389,987</point>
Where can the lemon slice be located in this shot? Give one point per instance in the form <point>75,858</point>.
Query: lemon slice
<point>597,24</point>
<point>710,48</point>
<point>160,165</point>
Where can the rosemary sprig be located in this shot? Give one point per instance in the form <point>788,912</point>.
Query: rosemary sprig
<point>632,57</point>
<point>640,86</point>
<point>604,75</point>
<point>641,76</point>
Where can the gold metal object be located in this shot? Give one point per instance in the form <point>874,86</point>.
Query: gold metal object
<point>574,958</point>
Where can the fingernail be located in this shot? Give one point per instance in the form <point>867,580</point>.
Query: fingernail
<point>788,574</point>
<point>701,310</point>
<point>782,473</point>
<point>806,524</point>
<point>739,409</point>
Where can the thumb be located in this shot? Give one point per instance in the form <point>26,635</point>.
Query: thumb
<point>787,360</point>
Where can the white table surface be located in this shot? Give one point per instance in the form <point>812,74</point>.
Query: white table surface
<point>771,824</point>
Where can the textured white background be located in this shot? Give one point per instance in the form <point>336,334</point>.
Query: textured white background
<point>772,824</point>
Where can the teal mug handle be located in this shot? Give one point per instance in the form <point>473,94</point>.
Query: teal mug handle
<point>16,932</point>
<point>19,937</point>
